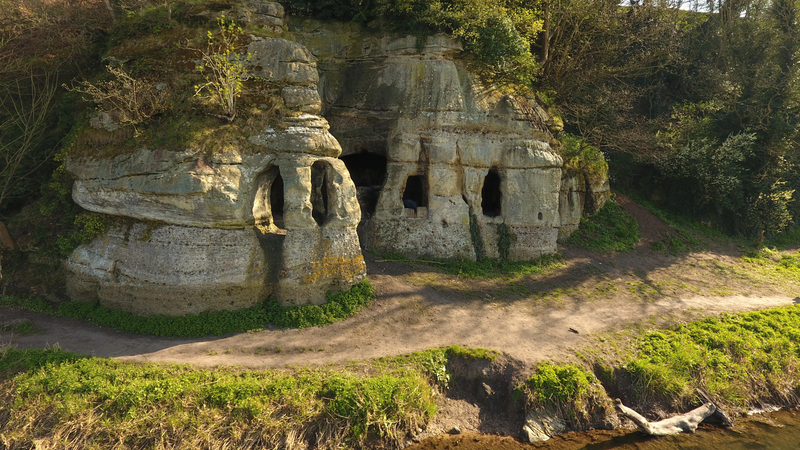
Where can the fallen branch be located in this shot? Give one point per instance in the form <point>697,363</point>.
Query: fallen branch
<point>682,423</point>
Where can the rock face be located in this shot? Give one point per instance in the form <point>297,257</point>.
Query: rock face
<point>442,166</point>
<point>226,228</point>
<point>469,172</point>
<point>171,269</point>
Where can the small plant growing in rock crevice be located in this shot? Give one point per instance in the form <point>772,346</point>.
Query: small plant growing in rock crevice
<point>224,82</point>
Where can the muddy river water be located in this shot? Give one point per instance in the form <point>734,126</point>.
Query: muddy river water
<point>774,431</point>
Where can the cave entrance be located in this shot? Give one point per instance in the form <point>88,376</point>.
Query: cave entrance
<point>368,172</point>
<point>268,202</point>
<point>491,196</point>
<point>319,192</point>
<point>415,195</point>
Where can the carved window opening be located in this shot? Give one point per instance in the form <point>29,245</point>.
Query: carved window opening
<point>491,196</point>
<point>268,202</point>
<point>415,196</point>
<point>320,191</point>
<point>368,172</point>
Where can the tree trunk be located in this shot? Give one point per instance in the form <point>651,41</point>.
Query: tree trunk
<point>6,242</point>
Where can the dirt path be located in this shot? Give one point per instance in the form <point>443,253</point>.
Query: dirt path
<point>406,316</point>
<point>531,318</point>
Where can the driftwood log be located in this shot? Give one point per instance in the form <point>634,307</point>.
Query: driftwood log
<point>682,423</point>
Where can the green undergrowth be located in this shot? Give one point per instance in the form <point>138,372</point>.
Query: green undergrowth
<point>787,239</point>
<point>775,265</point>
<point>742,360</point>
<point>102,403</point>
<point>678,243</point>
<point>485,267</point>
<point>23,328</point>
<point>433,362</point>
<point>686,233</point>
<point>212,323</point>
<point>610,230</point>
<point>568,390</point>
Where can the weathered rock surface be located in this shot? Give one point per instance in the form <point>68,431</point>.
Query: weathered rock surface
<point>234,226</point>
<point>477,164</point>
<point>168,269</point>
<point>467,172</point>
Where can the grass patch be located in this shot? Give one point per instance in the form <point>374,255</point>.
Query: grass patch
<point>101,403</point>
<point>678,244</point>
<point>789,238</point>
<point>433,362</point>
<point>610,230</point>
<point>774,264</point>
<point>570,391</point>
<point>22,328</point>
<point>212,323</point>
<point>485,268</point>
<point>742,359</point>
<point>475,354</point>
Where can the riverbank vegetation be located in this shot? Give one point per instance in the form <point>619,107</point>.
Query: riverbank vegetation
<point>60,399</point>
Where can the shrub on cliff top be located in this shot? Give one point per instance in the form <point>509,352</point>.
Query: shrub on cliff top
<point>497,33</point>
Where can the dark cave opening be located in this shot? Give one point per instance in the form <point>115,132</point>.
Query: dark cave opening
<point>368,172</point>
<point>491,196</point>
<point>319,192</point>
<point>415,193</point>
<point>276,200</point>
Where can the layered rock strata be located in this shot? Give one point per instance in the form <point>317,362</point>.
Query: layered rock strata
<point>469,171</point>
<point>226,229</point>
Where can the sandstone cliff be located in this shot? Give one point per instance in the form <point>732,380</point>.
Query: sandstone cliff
<point>444,166</point>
